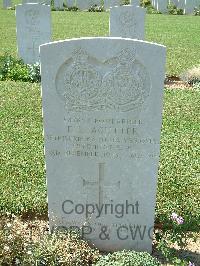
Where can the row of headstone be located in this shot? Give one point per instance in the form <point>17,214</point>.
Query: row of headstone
<point>187,5</point>
<point>8,3</point>
<point>102,105</point>
<point>58,4</point>
<point>84,5</point>
<point>34,26</point>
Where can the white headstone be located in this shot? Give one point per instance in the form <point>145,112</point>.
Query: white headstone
<point>33,29</point>
<point>70,3</point>
<point>190,5</point>
<point>135,2</point>
<point>7,4</point>
<point>128,22</point>
<point>97,2</point>
<point>111,3</point>
<point>181,4</point>
<point>173,2</point>
<point>162,5</point>
<point>102,106</point>
<point>83,5</point>
<point>58,4</point>
<point>46,2</point>
<point>156,4</point>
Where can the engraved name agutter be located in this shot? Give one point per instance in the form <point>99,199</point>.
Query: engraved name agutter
<point>121,83</point>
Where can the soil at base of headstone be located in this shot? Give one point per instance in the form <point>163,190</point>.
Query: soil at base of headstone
<point>174,82</point>
<point>37,227</point>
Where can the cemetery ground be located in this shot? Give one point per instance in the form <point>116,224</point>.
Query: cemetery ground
<point>22,174</point>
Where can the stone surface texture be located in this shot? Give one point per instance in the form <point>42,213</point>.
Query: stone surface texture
<point>102,115</point>
<point>33,29</point>
<point>128,22</point>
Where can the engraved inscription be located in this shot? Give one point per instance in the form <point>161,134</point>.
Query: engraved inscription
<point>123,84</point>
<point>104,138</point>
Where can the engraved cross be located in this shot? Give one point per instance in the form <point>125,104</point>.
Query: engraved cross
<point>100,183</point>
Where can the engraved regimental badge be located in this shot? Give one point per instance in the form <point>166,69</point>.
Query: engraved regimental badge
<point>121,83</point>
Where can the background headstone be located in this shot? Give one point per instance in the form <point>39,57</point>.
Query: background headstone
<point>162,5</point>
<point>156,4</point>
<point>83,5</point>
<point>7,4</point>
<point>127,21</point>
<point>58,4</point>
<point>33,29</point>
<point>102,106</point>
<point>47,2</point>
<point>181,4</point>
<point>173,2</point>
<point>111,3</point>
<point>190,5</point>
<point>70,3</point>
<point>135,2</point>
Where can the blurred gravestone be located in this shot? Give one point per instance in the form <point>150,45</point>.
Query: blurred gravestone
<point>83,5</point>
<point>162,5</point>
<point>128,21</point>
<point>58,4</point>
<point>111,3</point>
<point>190,5</point>
<point>33,29</point>
<point>135,2</point>
<point>7,4</point>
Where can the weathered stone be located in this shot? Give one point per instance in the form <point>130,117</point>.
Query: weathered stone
<point>33,29</point>
<point>102,106</point>
<point>135,2</point>
<point>127,21</point>
<point>58,4</point>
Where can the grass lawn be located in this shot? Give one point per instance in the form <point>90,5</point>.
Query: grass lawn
<point>22,175</point>
<point>179,33</point>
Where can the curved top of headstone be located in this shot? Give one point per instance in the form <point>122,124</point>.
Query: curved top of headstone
<point>33,5</point>
<point>85,40</point>
<point>115,72</point>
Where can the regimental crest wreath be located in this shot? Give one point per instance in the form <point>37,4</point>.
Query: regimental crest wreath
<point>121,83</point>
